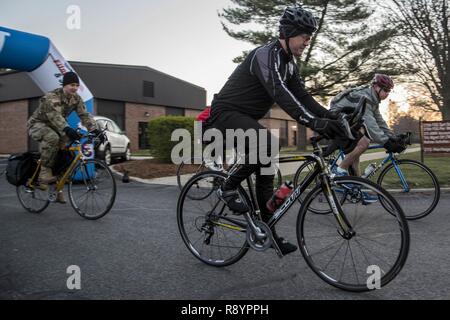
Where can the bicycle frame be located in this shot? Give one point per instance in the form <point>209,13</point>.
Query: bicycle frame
<point>390,158</point>
<point>322,170</point>
<point>61,182</point>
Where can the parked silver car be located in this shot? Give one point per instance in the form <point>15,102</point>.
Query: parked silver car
<point>117,144</point>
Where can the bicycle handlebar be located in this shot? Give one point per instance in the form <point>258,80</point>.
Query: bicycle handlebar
<point>91,137</point>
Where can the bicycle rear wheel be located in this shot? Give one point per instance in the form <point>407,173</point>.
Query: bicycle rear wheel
<point>373,256</point>
<point>211,232</point>
<point>413,185</point>
<point>92,189</point>
<point>185,171</point>
<point>32,199</point>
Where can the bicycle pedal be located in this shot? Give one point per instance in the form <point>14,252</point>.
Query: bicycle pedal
<point>52,193</point>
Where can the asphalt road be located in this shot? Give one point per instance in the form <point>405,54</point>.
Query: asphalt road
<point>135,252</point>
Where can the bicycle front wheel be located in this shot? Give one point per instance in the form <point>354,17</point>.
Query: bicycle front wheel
<point>413,185</point>
<point>92,189</point>
<point>377,249</point>
<point>211,232</point>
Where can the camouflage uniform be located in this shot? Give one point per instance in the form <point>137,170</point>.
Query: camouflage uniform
<point>373,120</point>
<point>47,123</point>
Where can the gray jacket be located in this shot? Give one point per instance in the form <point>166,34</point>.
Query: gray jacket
<point>377,128</point>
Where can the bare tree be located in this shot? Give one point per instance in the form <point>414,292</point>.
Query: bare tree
<point>423,45</point>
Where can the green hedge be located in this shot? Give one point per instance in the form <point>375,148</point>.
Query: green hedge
<point>160,131</point>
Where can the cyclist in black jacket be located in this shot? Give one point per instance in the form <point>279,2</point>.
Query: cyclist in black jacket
<point>270,75</point>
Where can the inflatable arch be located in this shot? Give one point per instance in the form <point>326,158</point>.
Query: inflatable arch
<point>37,56</point>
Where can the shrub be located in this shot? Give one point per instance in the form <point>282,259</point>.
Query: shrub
<point>160,131</point>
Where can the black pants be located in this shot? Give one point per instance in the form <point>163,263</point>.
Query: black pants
<point>264,183</point>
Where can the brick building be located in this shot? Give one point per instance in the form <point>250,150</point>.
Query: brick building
<point>129,95</point>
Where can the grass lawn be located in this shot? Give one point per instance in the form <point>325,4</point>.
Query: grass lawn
<point>440,165</point>
<point>144,152</point>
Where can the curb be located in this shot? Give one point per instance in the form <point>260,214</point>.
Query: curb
<point>146,181</point>
<point>156,182</point>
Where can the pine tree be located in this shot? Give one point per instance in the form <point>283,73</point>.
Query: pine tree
<point>347,49</point>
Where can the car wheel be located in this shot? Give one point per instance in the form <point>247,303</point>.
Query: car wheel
<point>108,156</point>
<point>127,154</point>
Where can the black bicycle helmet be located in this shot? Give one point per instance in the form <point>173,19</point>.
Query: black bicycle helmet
<point>295,21</point>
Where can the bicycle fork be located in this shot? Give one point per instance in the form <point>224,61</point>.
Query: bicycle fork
<point>345,229</point>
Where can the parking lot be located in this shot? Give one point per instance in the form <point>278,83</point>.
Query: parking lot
<point>136,252</point>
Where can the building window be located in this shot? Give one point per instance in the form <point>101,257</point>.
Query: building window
<point>284,133</point>
<point>114,110</point>
<point>142,134</point>
<point>149,89</point>
<point>170,111</point>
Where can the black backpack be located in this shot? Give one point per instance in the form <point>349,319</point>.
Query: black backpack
<point>63,160</point>
<point>20,167</point>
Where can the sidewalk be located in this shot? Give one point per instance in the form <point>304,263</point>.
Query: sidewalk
<point>286,168</point>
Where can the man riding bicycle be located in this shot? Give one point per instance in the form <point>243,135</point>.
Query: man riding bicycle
<point>374,127</point>
<point>49,127</point>
<point>270,75</point>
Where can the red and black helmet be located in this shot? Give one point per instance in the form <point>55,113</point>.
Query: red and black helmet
<point>383,81</point>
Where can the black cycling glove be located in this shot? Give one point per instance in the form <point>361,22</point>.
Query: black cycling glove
<point>334,114</point>
<point>329,128</point>
<point>72,133</point>
<point>393,145</point>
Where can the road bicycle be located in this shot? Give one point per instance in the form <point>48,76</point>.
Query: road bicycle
<point>341,248</point>
<point>91,185</point>
<point>414,185</point>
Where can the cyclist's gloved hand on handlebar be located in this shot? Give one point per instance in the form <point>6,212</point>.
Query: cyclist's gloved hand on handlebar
<point>99,135</point>
<point>334,114</point>
<point>394,145</point>
<point>329,128</point>
<point>72,133</point>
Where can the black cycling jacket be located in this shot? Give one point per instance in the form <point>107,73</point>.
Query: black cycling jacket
<point>268,75</point>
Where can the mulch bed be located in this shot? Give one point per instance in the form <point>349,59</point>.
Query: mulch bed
<point>151,168</point>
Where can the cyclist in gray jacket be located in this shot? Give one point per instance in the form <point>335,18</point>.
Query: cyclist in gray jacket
<point>375,128</point>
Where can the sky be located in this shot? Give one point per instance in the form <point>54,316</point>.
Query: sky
<point>182,38</point>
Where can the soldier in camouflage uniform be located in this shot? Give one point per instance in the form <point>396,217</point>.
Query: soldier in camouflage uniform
<point>49,127</point>
<point>375,128</point>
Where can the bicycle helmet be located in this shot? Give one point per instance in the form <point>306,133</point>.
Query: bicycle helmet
<point>295,21</point>
<point>383,81</point>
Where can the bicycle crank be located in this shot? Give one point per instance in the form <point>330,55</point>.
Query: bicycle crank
<point>260,242</point>
<point>52,193</point>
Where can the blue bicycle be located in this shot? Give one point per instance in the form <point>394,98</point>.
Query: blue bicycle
<point>410,182</point>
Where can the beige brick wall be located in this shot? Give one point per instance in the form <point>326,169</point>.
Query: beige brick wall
<point>135,113</point>
<point>13,127</point>
<point>277,113</point>
<point>192,113</point>
<point>292,129</point>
